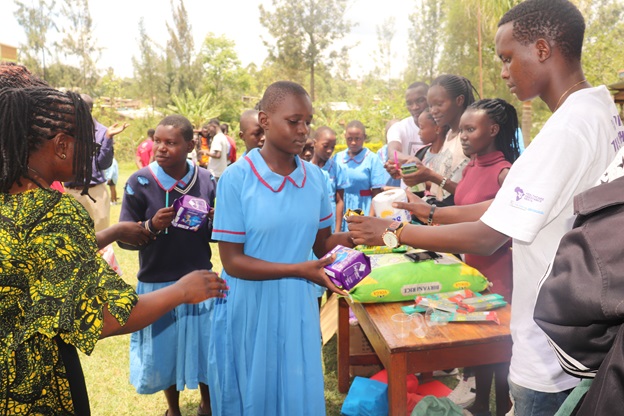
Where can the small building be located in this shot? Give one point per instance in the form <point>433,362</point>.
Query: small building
<point>8,53</point>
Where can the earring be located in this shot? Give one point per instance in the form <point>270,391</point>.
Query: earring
<point>63,156</point>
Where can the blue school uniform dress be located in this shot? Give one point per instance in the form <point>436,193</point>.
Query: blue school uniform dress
<point>336,179</point>
<point>174,349</point>
<point>265,347</point>
<point>365,172</point>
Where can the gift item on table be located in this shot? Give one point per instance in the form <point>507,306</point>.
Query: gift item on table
<point>381,249</point>
<point>396,278</point>
<point>349,267</point>
<point>441,316</point>
<point>441,305</point>
<point>483,306</point>
<point>463,294</point>
<point>190,212</point>
<point>382,204</point>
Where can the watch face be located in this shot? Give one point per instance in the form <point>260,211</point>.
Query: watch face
<point>390,239</point>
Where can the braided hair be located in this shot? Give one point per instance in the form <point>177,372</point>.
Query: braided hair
<point>13,75</point>
<point>28,117</point>
<point>505,115</point>
<point>456,85</point>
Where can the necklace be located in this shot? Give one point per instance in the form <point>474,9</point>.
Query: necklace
<point>566,93</point>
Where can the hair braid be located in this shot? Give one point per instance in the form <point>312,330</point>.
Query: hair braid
<point>28,117</point>
<point>505,115</point>
<point>456,85</point>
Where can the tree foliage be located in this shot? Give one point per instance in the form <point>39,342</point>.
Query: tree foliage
<point>304,31</point>
<point>148,73</point>
<point>425,40</point>
<point>197,108</point>
<point>181,72</point>
<point>223,76</point>
<point>79,42</point>
<point>37,21</point>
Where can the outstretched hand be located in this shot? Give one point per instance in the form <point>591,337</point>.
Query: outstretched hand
<point>132,233</point>
<point>115,129</point>
<point>414,204</point>
<point>367,230</point>
<point>199,285</point>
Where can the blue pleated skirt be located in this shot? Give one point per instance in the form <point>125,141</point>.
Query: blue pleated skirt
<point>173,350</point>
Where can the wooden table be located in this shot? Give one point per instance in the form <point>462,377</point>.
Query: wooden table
<point>449,346</point>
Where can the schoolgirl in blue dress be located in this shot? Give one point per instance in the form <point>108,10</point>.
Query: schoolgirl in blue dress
<point>272,209</point>
<point>364,170</point>
<point>324,144</point>
<point>172,353</point>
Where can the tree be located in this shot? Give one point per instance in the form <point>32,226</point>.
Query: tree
<point>223,76</point>
<point>383,55</point>
<point>78,41</point>
<point>425,43</point>
<point>196,108</point>
<point>181,72</point>
<point>304,32</point>
<point>148,73</point>
<point>36,20</point>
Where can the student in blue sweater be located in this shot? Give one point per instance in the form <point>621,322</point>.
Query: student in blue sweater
<point>172,352</point>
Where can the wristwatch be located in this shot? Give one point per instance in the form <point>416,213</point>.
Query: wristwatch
<point>390,237</point>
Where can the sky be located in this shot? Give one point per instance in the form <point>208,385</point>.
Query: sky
<point>116,28</point>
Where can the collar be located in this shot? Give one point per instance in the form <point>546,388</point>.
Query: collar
<point>329,165</point>
<point>272,180</point>
<point>167,183</point>
<point>359,158</point>
<point>489,159</point>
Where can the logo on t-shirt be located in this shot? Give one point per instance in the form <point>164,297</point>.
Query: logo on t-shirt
<point>527,201</point>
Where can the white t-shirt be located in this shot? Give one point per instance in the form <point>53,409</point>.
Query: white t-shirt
<point>406,133</point>
<point>218,165</point>
<point>535,208</point>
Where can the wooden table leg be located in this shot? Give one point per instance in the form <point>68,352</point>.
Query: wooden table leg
<point>397,385</point>
<point>501,387</point>
<point>343,345</point>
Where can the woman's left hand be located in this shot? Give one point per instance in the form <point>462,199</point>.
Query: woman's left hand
<point>421,175</point>
<point>367,230</point>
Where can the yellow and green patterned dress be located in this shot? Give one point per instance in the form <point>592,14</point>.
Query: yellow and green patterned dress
<point>52,283</point>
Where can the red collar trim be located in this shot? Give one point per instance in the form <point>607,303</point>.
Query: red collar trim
<point>287,178</point>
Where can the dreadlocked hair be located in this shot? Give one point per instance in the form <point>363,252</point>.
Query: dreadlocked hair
<point>505,115</point>
<point>13,75</point>
<point>456,85</point>
<point>28,117</point>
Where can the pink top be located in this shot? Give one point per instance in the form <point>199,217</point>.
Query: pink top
<point>144,151</point>
<point>480,183</point>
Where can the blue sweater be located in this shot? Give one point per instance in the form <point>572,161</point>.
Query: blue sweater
<point>180,251</point>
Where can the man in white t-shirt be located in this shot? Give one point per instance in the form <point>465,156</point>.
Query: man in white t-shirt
<point>218,149</point>
<point>540,45</point>
<point>403,136</point>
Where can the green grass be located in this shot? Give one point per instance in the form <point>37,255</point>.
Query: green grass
<point>107,369</point>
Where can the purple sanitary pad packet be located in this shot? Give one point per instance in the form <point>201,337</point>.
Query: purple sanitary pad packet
<point>190,212</point>
<point>349,267</point>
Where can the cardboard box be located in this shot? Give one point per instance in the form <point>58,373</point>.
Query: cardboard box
<point>359,345</point>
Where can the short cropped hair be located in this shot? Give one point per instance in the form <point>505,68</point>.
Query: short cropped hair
<point>322,130</point>
<point>558,21</point>
<point>179,122</point>
<point>276,92</point>
<point>418,84</point>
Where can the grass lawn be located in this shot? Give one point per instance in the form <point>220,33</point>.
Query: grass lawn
<point>107,369</point>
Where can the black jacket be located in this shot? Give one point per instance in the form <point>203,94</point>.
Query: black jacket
<point>580,305</point>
